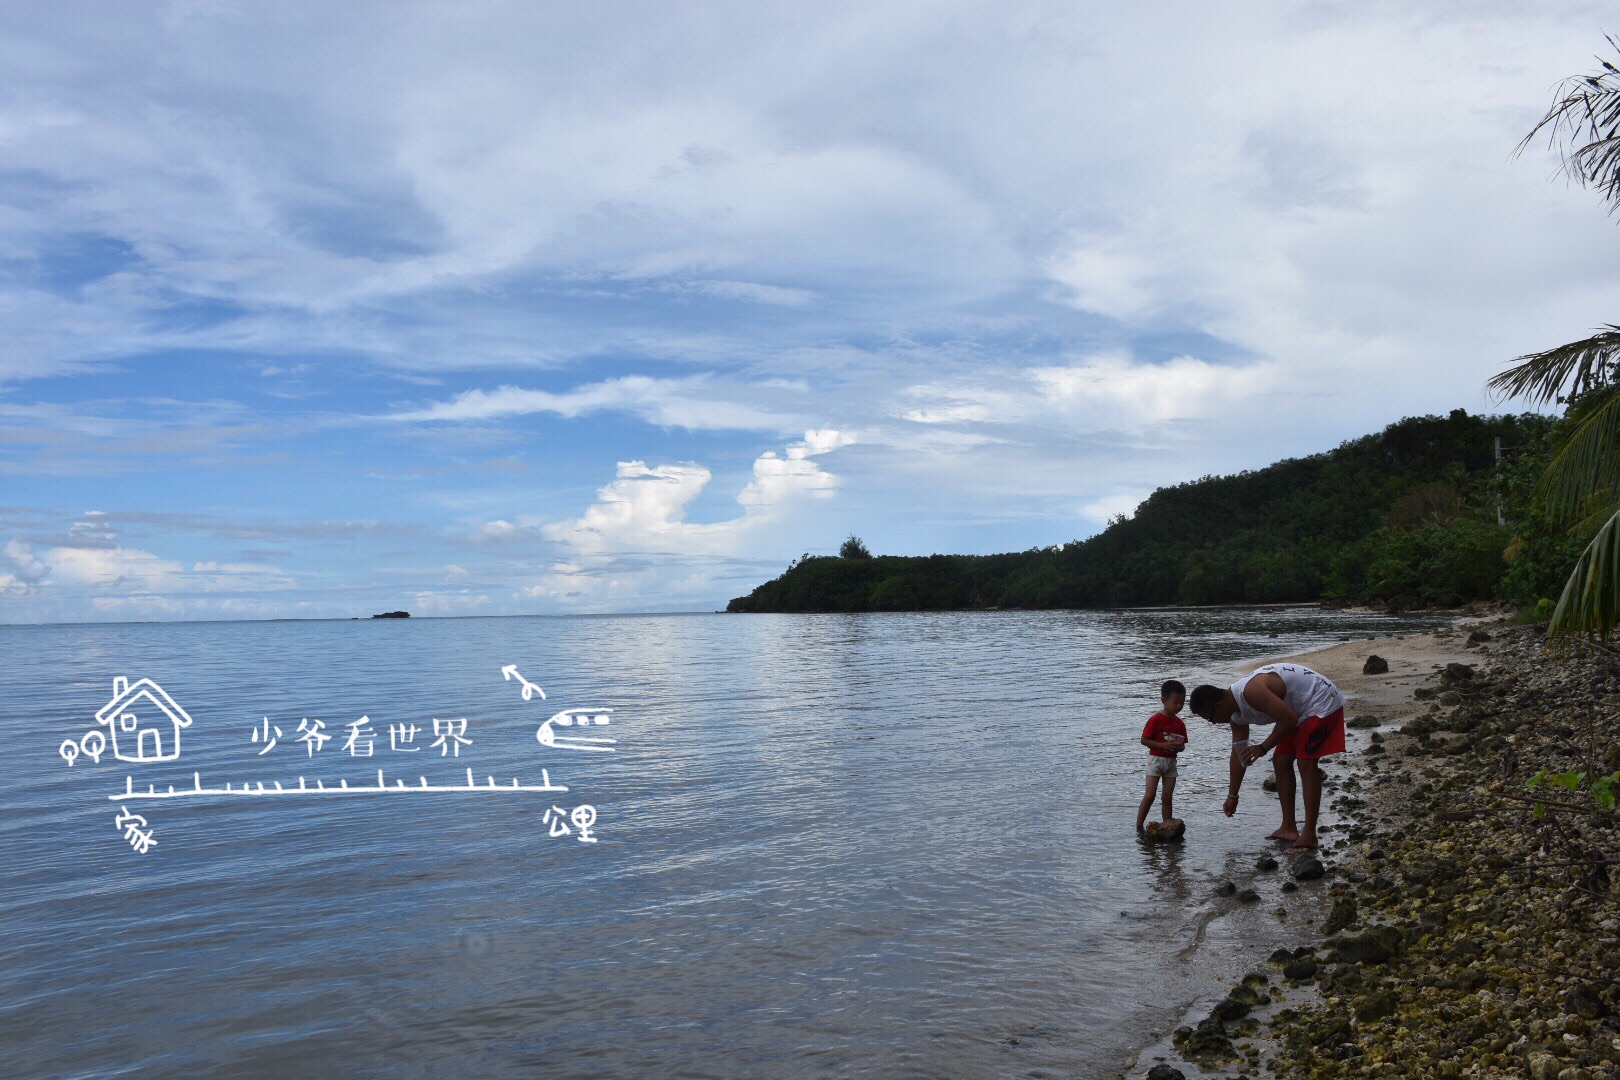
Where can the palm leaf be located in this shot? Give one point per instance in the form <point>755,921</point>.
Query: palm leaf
<point>1583,365</point>
<point>1583,125</point>
<point>1590,604</point>
<point>1586,465</point>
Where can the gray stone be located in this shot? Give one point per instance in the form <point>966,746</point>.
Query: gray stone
<point>1300,970</point>
<point>1456,675</point>
<point>1376,946</point>
<point>1375,665</point>
<point>1342,917</point>
<point>1307,867</point>
<point>1581,1000</point>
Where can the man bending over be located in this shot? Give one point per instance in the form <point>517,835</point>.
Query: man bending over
<point>1305,712</point>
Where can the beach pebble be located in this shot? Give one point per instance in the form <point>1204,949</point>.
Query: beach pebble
<point>1307,867</point>
<point>1375,665</point>
<point>1225,888</point>
<point>1342,917</point>
<point>1165,1072</point>
<point>1266,863</point>
<point>1300,970</point>
<point>1248,896</point>
<point>1583,1002</point>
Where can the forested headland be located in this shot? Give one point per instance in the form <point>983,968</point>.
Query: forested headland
<point>1422,513</point>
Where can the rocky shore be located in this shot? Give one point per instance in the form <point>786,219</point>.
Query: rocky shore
<point>1461,931</point>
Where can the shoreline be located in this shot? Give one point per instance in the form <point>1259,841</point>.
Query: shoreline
<point>1451,946</point>
<point>1413,661</point>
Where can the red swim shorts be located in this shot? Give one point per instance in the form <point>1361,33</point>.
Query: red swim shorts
<point>1315,737</point>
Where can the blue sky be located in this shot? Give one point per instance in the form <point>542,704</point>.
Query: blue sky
<point>323,310</point>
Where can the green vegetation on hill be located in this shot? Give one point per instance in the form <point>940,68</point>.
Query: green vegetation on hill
<point>1406,517</point>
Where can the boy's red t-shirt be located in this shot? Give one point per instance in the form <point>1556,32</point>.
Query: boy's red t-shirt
<point>1158,726</point>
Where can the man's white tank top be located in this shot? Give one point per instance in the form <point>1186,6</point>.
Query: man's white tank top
<point>1304,691</point>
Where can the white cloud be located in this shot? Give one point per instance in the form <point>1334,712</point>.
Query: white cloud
<point>642,515</point>
<point>686,402</point>
<point>1123,393</point>
<point>1103,510</point>
<point>821,441</point>
<point>121,568</point>
<point>1102,279</point>
<point>644,509</point>
<point>1110,391</point>
<point>27,570</point>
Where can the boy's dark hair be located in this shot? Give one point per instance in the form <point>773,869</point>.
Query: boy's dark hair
<point>1171,686</point>
<point>1204,699</point>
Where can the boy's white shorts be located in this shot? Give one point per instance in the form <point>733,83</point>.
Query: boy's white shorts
<point>1161,766</point>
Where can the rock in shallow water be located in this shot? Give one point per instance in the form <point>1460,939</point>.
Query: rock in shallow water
<point>1307,867</point>
<point>1165,832</point>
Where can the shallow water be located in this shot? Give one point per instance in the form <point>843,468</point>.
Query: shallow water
<point>875,845</point>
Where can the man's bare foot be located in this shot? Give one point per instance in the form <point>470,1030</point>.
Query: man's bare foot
<point>1285,833</point>
<point>1301,847</point>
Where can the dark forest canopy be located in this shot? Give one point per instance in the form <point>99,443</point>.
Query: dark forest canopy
<point>1406,517</point>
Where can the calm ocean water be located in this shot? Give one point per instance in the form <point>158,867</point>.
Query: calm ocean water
<point>840,845</point>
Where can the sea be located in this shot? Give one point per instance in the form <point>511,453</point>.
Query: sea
<point>707,845</point>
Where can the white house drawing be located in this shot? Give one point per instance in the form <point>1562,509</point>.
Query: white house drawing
<point>144,720</point>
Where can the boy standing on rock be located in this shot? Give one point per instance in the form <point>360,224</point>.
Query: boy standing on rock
<point>1306,714</point>
<point>1165,736</point>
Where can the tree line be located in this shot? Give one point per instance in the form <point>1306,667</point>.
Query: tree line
<point>1421,514</point>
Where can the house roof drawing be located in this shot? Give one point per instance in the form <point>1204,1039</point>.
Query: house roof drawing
<point>125,693</point>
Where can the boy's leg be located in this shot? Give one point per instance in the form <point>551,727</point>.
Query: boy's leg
<point>1310,778</point>
<point>1147,801</point>
<point>1169,796</point>
<point>1284,769</point>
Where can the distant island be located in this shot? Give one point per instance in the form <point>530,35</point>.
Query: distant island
<point>393,615</point>
<point>1421,514</point>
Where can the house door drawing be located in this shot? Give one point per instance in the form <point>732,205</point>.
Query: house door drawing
<point>156,742</point>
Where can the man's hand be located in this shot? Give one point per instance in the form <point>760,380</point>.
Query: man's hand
<point>1231,805</point>
<point>1254,754</point>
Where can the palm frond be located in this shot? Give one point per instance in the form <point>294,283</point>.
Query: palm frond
<point>1583,125</point>
<point>1590,604</point>
<point>1586,464</point>
<point>1570,369</point>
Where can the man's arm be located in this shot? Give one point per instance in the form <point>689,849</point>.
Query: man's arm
<point>1240,743</point>
<point>1266,694</point>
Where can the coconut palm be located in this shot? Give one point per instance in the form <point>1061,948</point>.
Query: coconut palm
<point>1582,482</point>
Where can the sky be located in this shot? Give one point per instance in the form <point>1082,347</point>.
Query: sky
<point>323,310</point>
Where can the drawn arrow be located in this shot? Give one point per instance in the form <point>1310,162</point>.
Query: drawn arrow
<point>510,672</point>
